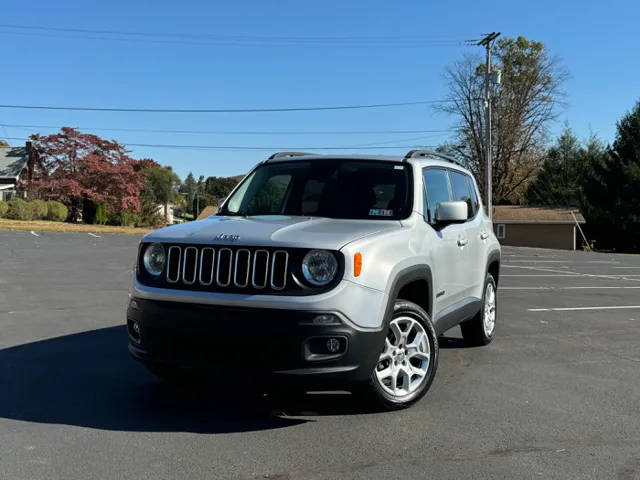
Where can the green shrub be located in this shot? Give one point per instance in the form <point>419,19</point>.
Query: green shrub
<point>129,219</point>
<point>3,208</point>
<point>31,211</point>
<point>149,214</point>
<point>18,209</point>
<point>102,215</point>
<point>40,209</point>
<point>57,211</point>
<point>123,219</point>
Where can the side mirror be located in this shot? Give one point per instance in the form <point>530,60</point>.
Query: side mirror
<point>451,212</point>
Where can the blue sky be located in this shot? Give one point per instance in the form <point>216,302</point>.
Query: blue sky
<point>597,42</point>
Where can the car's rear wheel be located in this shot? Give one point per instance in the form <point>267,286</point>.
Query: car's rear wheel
<point>408,361</point>
<point>481,328</point>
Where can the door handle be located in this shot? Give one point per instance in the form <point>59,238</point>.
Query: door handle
<point>462,242</point>
<point>484,236</point>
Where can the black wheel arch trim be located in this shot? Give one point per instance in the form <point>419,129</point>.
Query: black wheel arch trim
<point>494,255</point>
<point>405,277</point>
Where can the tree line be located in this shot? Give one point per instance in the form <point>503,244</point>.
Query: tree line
<point>528,166</point>
<point>98,182</point>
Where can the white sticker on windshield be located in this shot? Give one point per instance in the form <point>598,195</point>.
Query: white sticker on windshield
<point>398,167</point>
<point>380,212</point>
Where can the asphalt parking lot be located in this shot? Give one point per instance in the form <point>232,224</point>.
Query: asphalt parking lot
<point>556,395</point>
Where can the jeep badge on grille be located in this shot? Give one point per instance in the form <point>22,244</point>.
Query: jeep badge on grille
<point>227,237</point>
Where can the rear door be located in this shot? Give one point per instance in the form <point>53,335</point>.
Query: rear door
<point>446,254</point>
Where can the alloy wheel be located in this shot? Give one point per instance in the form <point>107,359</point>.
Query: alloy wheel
<point>489,312</point>
<point>404,362</point>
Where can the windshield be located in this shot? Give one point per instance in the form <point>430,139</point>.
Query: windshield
<point>354,189</point>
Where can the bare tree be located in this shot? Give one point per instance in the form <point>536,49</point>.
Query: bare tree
<point>523,105</point>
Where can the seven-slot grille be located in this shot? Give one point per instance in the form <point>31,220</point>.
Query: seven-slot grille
<point>223,267</point>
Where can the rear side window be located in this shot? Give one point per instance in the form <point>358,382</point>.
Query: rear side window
<point>436,182</point>
<point>474,195</point>
<point>461,191</point>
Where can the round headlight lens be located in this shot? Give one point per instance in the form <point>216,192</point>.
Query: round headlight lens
<point>154,259</point>
<point>319,267</point>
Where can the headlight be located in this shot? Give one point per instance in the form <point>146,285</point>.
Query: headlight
<point>154,259</point>
<point>319,267</point>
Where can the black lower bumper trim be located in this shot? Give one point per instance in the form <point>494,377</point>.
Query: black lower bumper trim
<point>268,342</point>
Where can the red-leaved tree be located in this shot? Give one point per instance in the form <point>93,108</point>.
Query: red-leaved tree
<point>72,166</point>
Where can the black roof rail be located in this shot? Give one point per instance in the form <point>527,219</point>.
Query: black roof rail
<point>430,153</point>
<point>289,154</point>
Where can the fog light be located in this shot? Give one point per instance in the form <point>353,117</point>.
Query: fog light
<point>326,319</point>
<point>333,345</point>
<point>133,304</point>
<point>135,331</point>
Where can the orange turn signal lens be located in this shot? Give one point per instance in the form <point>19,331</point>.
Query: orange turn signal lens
<point>357,264</point>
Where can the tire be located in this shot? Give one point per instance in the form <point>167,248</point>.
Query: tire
<point>481,329</point>
<point>407,360</point>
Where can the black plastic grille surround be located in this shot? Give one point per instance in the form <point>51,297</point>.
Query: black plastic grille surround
<point>234,269</point>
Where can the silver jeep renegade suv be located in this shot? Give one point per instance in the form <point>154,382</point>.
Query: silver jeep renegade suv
<point>322,271</point>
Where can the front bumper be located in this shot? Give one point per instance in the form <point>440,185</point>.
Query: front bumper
<point>277,343</point>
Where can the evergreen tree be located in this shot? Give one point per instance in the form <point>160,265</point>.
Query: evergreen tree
<point>189,187</point>
<point>612,189</point>
<point>559,183</point>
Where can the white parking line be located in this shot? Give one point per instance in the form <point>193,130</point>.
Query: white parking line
<point>560,275</point>
<point>564,261</point>
<point>626,267</point>
<point>94,235</point>
<point>565,288</point>
<point>34,233</point>
<point>540,269</point>
<point>567,309</point>
<point>537,261</point>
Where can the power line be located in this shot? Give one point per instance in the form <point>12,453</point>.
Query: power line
<point>236,40</point>
<point>237,132</point>
<point>258,148</point>
<point>247,44</point>
<point>209,35</point>
<point>226,110</point>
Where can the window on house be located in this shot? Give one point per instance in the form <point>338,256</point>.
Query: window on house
<point>501,231</point>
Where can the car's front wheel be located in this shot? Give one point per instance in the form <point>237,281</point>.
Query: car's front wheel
<point>409,359</point>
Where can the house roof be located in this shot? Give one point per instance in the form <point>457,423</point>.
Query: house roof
<point>518,214</point>
<point>207,211</point>
<point>12,161</point>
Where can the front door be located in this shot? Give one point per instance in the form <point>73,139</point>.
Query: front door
<point>446,253</point>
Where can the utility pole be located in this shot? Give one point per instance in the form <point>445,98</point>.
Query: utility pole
<point>486,42</point>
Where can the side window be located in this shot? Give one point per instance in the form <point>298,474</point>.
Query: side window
<point>461,192</point>
<point>436,182</point>
<point>474,195</point>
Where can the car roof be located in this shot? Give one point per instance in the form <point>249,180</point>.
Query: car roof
<point>313,157</point>
<point>426,159</point>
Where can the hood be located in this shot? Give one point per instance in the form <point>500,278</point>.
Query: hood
<point>306,232</point>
